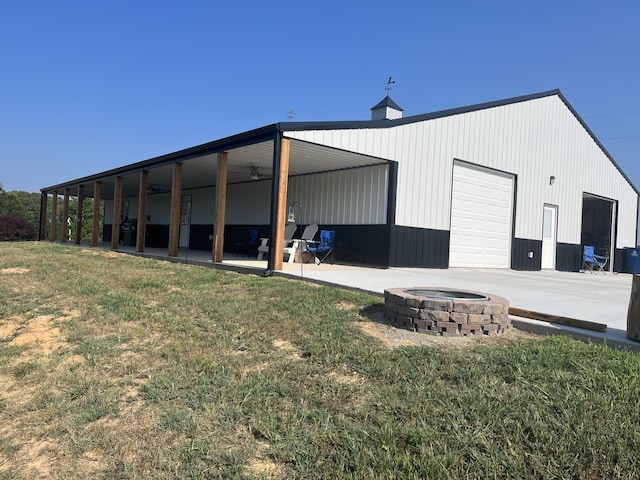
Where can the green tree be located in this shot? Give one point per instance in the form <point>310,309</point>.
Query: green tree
<point>87,218</point>
<point>20,204</point>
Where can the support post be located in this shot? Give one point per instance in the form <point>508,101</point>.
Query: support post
<point>54,216</point>
<point>176,196</point>
<point>65,216</point>
<point>42,231</point>
<point>117,207</point>
<point>142,211</point>
<point>277,249</point>
<point>95,226</point>
<point>221,205</point>
<point>633,313</point>
<point>79,213</point>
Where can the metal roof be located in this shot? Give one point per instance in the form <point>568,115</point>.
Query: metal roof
<point>387,102</point>
<point>255,148</point>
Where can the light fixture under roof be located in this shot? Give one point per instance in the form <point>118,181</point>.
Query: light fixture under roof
<point>254,175</point>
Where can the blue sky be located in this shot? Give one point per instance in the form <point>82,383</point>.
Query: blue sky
<point>89,86</point>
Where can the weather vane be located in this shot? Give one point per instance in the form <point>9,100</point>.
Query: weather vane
<point>291,114</point>
<point>387,85</point>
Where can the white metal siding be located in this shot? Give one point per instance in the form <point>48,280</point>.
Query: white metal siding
<point>345,197</point>
<point>533,140</point>
<point>248,203</point>
<point>159,208</point>
<point>481,209</point>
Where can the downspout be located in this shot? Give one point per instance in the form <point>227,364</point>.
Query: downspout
<point>392,195</point>
<point>637,214</point>
<point>44,198</point>
<point>275,186</point>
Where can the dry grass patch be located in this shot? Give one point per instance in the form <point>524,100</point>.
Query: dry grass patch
<point>102,253</point>
<point>288,347</point>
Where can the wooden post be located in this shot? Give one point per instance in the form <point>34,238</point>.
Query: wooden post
<point>221,205</point>
<point>79,214</point>
<point>283,181</point>
<point>142,211</point>
<point>633,313</point>
<point>65,216</point>
<point>97,193</point>
<point>117,206</point>
<point>176,197</point>
<point>54,216</point>
<point>547,317</point>
<point>42,231</point>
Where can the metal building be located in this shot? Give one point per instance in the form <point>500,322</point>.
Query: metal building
<point>520,183</point>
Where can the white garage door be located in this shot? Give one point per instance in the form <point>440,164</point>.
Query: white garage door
<point>481,211</point>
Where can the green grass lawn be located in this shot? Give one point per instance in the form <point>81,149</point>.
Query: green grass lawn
<point>115,366</point>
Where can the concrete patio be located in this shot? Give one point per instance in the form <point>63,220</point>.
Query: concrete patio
<point>602,298</point>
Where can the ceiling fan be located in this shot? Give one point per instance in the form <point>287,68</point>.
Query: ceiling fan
<point>157,189</point>
<point>252,171</point>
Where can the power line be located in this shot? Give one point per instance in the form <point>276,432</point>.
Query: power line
<point>612,115</point>
<point>618,138</point>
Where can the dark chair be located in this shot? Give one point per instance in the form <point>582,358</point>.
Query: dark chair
<point>324,248</point>
<point>593,262</point>
<point>248,247</point>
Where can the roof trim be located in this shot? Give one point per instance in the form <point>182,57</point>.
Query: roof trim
<point>595,139</point>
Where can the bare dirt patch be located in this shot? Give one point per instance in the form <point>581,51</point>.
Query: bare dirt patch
<point>288,347</point>
<point>259,464</point>
<point>15,270</point>
<point>41,332</point>
<point>38,456</point>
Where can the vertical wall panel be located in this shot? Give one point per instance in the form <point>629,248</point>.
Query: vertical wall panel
<point>346,197</point>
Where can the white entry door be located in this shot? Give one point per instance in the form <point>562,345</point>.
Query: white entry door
<point>185,221</point>
<point>549,222</point>
<point>481,211</point>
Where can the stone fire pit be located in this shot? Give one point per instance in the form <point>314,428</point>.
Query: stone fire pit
<point>445,311</point>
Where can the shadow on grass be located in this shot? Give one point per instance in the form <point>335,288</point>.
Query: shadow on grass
<point>374,313</point>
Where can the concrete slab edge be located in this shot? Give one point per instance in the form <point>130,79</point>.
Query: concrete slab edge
<point>544,328</point>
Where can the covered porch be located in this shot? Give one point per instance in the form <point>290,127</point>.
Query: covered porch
<point>206,199</point>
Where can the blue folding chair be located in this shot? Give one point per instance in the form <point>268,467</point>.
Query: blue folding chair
<point>593,262</point>
<point>324,248</point>
<point>248,247</point>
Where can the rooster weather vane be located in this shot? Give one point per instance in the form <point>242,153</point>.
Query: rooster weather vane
<point>387,85</point>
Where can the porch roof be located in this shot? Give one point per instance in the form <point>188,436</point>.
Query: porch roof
<point>246,151</point>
